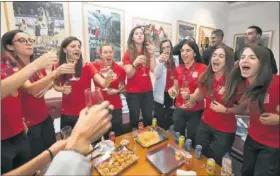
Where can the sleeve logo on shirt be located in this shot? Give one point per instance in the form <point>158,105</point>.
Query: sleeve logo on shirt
<point>266,99</point>
<point>195,75</point>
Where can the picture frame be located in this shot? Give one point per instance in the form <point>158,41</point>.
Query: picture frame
<point>238,41</point>
<point>152,28</point>
<point>102,24</point>
<point>47,22</point>
<point>185,29</point>
<point>265,40</point>
<point>204,37</point>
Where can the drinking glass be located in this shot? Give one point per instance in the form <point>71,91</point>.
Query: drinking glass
<point>173,102</point>
<point>71,59</point>
<point>105,72</point>
<point>184,89</point>
<point>93,97</point>
<point>134,134</point>
<point>144,67</point>
<point>51,52</point>
<point>66,132</point>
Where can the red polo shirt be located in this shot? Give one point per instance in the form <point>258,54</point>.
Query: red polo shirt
<point>74,102</point>
<point>191,75</point>
<point>266,134</point>
<point>137,83</point>
<point>11,109</point>
<point>34,110</point>
<point>219,121</point>
<point>115,100</point>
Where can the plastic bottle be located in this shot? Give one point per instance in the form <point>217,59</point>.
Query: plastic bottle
<point>226,169</point>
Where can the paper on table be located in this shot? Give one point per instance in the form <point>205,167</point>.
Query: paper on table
<point>183,173</point>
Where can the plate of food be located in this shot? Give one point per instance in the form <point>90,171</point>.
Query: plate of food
<point>120,159</point>
<point>166,158</point>
<point>151,137</point>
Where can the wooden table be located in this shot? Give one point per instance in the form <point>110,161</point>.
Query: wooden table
<point>143,167</point>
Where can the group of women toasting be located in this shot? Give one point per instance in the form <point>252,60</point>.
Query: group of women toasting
<point>202,99</point>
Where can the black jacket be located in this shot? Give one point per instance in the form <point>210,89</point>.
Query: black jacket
<point>207,54</point>
<point>274,69</point>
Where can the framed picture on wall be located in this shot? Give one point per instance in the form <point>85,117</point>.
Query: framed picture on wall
<point>265,40</point>
<point>238,41</point>
<point>46,22</point>
<point>204,37</point>
<point>185,29</point>
<point>155,30</point>
<point>102,25</point>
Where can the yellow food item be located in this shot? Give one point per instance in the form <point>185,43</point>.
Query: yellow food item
<point>178,155</point>
<point>148,138</point>
<point>118,161</point>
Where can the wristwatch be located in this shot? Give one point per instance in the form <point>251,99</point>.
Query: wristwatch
<point>54,76</point>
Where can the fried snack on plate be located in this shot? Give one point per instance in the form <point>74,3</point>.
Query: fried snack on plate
<point>148,138</point>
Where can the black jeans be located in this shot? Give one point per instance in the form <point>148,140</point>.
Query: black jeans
<point>67,120</point>
<point>15,151</point>
<point>137,102</point>
<point>163,112</point>
<point>215,144</point>
<point>117,125</point>
<point>260,160</point>
<point>41,136</point>
<point>190,119</point>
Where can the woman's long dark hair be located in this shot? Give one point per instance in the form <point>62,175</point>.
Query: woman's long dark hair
<point>131,47</point>
<point>206,79</point>
<point>62,56</point>
<point>193,45</point>
<point>171,51</point>
<point>257,90</point>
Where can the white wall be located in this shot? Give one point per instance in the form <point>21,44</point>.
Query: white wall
<point>212,14</point>
<point>262,14</point>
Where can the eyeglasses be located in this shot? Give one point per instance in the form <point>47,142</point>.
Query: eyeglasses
<point>24,40</point>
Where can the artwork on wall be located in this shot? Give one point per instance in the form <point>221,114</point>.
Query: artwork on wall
<point>204,37</point>
<point>265,40</point>
<point>46,22</point>
<point>102,25</point>
<point>185,29</point>
<point>155,30</point>
<point>238,41</point>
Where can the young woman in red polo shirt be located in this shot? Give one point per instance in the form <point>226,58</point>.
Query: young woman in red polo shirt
<point>73,92</point>
<point>216,132</point>
<point>261,148</point>
<point>34,109</point>
<point>186,77</point>
<point>15,146</point>
<point>115,88</point>
<point>138,62</point>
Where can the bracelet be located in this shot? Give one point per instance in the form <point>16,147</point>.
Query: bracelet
<point>51,154</point>
<point>54,76</point>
